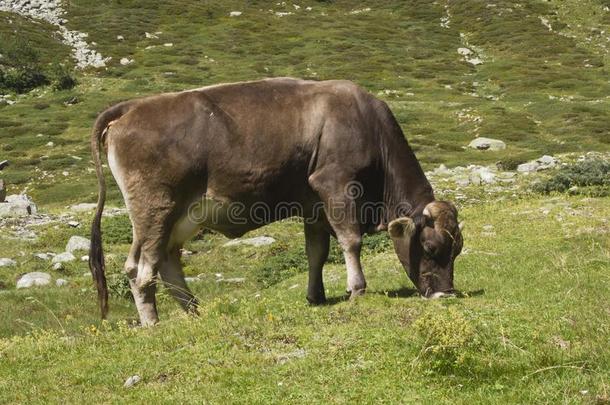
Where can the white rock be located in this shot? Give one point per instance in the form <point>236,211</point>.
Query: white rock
<point>36,278</point>
<point>234,280</point>
<point>528,167</point>
<point>483,143</point>
<point>131,381</point>
<point>50,144</point>
<point>78,243</point>
<point>60,282</point>
<point>257,241</point>
<point>65,257</point>
<point>150,36</point>
<point>168,44</point>
<point>84,258</point>
<point>126,61</point>
<point>5,262</point>
<point>234,13</point>
<point>43,256</point>
<point>120,37</point>
<point>464,51</point>
<point>17,205</point>
<point>83,207</point>
<point>58,266</point>
<point>474,61</point>
<point>74,224</point>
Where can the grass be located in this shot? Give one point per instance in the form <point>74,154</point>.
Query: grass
<point>532,325</point>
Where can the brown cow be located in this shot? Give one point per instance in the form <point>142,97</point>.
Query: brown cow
<point>234,157</point>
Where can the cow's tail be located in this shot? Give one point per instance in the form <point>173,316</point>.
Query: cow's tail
<point>96,252</point>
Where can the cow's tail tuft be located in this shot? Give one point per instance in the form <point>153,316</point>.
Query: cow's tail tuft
<point>96,252</point>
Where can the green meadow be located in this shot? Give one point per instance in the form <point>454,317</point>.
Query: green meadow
<point>532,321</point>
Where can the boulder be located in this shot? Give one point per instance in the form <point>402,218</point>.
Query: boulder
<point>60,282</point>
<point>17,205</point>
<point>528,167</point>
<point>5,262</point>
<point>83,207</point>
<point>65,257</point>
<point>78,243</point>
<point>36,278</point>
<point>257,241</point>
<point>483,143</point>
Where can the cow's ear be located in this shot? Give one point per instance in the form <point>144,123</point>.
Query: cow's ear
<point>403,227</point>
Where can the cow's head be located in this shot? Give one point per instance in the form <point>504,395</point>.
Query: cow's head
<point>427,246</point>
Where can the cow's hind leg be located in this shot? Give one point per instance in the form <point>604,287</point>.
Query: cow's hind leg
<point>317,241</point>
<point>144,296</point>
<point>173,279</point>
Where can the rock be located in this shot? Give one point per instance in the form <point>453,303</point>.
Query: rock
<point>5,262</point>
<point>546,162</point>
<point>126,61</point>
<point>487,144</point>
<point>65,257</point>
<point>43,256</point>
<point>120,37</point>
<point>17,205</point>
<point>58,266</point>
<point>528,167</point>
<point>168,44</point>
<point>78,243</point>
<point>84,258</point>
<point>462,182</point>
<point>131,381</point>
<point>73,224</point>
<point>83,207</point>
<point>256,241</point>
<point>234,13</point>
<point>464,51</point>
<point>192,279</point>
<point>36,278</point>
<point>150,36</point>
<point>234,280</point>
<point>50,144</point>
<point>60,282</point>
<point>474,61</point>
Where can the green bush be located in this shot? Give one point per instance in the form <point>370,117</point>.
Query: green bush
<point>62,77</point>
<point>283,262</point>
<point>449,340</point>
<point>118,286</point>
<point>591,177</point>
<point>117,230</point>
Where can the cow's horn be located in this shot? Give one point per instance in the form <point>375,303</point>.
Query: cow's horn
<point>461,225</point>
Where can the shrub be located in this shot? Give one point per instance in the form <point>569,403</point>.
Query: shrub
<point>62,77</point>
<point>449,340</point>
<point>117,230</point>
<point>118,286</point>
<point>590,177</point>
<point>283,262</point>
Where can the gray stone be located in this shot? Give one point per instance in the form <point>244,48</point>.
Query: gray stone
<point>65,257</point>
<point>528,167</point>
<point>5,262</point>
<point>256,241</point>
<point>234,280</point>
<point>17,205</point>
<point>131,381</point>
<point>487,144</point>
<point>36,278</point>
<point>78,243</point>
<point>83,207</point>
<point>74,224</point>
<point>60,282</point>
<point>44,256</point>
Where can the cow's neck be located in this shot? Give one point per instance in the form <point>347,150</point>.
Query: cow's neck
<point>406,189</point>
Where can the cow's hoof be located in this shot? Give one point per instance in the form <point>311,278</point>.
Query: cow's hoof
<point>356,293</point>
<point>316,300</point>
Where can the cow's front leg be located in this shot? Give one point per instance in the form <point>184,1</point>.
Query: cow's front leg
<point>351,244</point>
<point>317,241</point>
<point>338,196</point>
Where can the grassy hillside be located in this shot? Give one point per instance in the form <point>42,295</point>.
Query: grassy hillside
<point>532,324</point>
